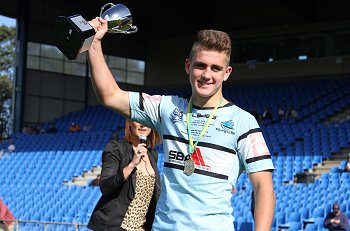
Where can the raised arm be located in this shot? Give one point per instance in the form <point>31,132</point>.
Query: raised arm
<point>105,86</point>
<point>264,200</point>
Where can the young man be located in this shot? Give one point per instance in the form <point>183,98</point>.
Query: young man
<point>208,141</point>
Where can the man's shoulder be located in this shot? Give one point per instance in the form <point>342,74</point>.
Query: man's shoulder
<point>166,100</point>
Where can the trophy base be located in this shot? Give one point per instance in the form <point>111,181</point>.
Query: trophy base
<point>73,35</point>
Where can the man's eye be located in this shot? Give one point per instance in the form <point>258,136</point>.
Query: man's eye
<point>200,66</point>
<point>216,69</point>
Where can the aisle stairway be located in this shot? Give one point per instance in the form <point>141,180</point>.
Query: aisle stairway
<point>330,164</point>
<point>87,176</point>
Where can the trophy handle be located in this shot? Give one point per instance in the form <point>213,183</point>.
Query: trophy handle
<point>132,30</point>
<point>103,7</point>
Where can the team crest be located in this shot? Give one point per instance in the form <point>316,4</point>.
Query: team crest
<point>227,125</point>
<point>176,115</point>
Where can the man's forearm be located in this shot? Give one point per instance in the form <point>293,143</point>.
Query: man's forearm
<point>264,209</point>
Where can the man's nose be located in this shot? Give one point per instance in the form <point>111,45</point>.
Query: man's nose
<point>206,73</point>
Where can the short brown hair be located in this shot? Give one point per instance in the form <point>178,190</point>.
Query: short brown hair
<point>152,139</point>
<point>212,40</point>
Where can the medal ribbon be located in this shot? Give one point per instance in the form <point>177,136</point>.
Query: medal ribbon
<point>191,146</point>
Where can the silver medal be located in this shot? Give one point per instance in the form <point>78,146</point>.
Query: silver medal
<point>189,167</point>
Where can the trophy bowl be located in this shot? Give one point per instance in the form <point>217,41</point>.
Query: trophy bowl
<point>118,18</point>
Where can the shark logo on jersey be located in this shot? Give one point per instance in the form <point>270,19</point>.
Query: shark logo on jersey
<point>226,127</point>
<point>176,115</point>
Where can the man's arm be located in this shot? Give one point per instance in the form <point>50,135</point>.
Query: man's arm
<point>105,86</point>
<point>265,200</point>
<point>344,222</point>
<point>327,221</point>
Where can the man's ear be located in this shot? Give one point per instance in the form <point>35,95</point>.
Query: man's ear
<point>227,73</point>
<point>187,66</point>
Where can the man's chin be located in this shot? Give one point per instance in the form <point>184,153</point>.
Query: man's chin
<point>203,94</point>
<point>204,91</point>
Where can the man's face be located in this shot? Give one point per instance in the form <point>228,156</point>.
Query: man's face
<point>336,210</point>
<point>207,70</point>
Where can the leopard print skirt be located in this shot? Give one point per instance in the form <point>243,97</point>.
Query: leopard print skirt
<point>135,217</point>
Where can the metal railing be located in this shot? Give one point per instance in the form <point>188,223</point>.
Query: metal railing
<point>44,224</point>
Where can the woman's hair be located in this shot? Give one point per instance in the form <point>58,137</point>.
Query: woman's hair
<point>212,40</point>
<point>152,139</point>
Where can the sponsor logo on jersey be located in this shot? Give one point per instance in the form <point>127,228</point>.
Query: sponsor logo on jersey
<point>226,127</point>
<point>199,115</point>
<point>177,157</point>
<point>176,115</point>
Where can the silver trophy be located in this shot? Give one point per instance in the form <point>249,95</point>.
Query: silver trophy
<point>119,18</point>
<point>74,35</point>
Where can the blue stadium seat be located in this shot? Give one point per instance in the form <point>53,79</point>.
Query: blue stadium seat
<point>279,218</point>
<point>311,227</point>
<point>319,222</point>
<point>294,226</point>
<point>246,226</point>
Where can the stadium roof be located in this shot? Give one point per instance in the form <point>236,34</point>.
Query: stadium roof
<point>163,19</point>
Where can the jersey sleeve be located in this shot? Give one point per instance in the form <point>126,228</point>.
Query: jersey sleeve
<point>252,148</point>
<point>145,109</point>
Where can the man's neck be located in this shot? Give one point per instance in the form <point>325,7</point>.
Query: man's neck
<point>208,102</point>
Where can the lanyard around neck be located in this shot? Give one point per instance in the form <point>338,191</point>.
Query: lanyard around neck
<point>192,146</point>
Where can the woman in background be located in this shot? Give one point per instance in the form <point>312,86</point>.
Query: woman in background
<point>6,218</point>
<point>129,181</point>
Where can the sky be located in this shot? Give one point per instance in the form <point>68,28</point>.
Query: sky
<point>7,21</point>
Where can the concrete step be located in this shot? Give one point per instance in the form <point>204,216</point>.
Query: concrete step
<point>327,164</point>
<point>342,155</point>
<point>324,167</point>
<point>91,174</point>
<point>80,181</point>
<point>330,162</point>
<point>88,175</point>
<point>339,117</point>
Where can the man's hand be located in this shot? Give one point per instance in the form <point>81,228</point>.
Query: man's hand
<point>336,221</point>
<point>101,26</point>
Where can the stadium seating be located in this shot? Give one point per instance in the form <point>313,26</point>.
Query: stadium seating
<point>35,175</point>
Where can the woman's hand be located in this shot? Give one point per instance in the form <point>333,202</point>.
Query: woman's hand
<point>139,152</point>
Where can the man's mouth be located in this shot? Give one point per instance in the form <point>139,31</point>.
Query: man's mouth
<point>201,83</point>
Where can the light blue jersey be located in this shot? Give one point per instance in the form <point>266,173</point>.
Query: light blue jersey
<point>233,143</point>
